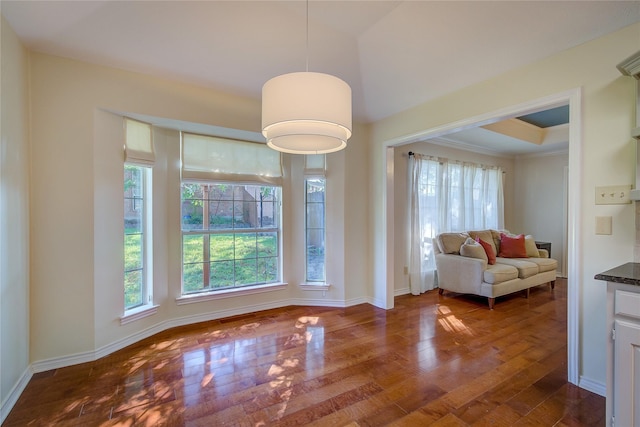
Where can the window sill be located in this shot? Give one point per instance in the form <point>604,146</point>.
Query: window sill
<point>315,286</point>
<point>229,293</point>
<point>138,313</point>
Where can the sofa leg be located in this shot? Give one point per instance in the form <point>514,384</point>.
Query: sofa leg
<point>527,293</point>
<point>491,303</point>
<point>440,291</point>
<point>552,284</point>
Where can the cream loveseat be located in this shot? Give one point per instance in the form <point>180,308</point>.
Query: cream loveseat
<point>464,266</point>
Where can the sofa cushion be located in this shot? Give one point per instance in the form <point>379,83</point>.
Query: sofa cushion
<point>499,273</point>
<point>449,243</point>
<point>525,267</point>
<point>473,249</point>
<point>486,235</point>
<point>488,249</point>
<point>530,246</point>
<point>512,246</point>
<point>544,264</point>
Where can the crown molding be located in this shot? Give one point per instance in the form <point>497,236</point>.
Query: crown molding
<point>631,66</point>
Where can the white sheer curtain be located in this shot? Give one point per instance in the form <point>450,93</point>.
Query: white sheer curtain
<point>447,196</point>
<point>423,222</point>
<point>473,194</point>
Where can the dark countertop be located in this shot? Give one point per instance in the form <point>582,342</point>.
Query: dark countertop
<point>628,273</point>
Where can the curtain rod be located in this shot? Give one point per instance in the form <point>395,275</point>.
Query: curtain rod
<point>411,153</point>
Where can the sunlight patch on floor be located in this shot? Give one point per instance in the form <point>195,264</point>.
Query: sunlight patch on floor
<point>451,323</point>
<point>306,320</point>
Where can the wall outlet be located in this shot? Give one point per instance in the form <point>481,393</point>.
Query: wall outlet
<point>613,195</point>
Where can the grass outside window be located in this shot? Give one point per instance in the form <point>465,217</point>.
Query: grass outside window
<point>230,236</point>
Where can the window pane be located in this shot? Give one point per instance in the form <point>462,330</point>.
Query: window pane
<point>192,277</point>
<point>137,224</point>
<point>133,289</point>
<point>133,208</point>
<point>315,215</point>
<point>193,248</point>
<point>222,274</point>
<point>315,190</point>
<point>241,215</point>
<point>267,269</point>
<point>132,181</point>
<point>132,252</point>
<point>215,259</point>
<point>315,255</point>
<point>220,214</point>
<point>267,213</point>
<point>245,246</point>
<point>222,247</point>
<point>132,216</point>
<point>315,229</point>
<point>246,272</point>
<point>221,192</point>
<point>192,202</point>
<point>247,191</point>
<point>267,244</point>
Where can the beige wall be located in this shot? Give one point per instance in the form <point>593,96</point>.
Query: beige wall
<point>539,201</point>
<point>606,156</point>
<point>77,211</point>
<point>14,220</point>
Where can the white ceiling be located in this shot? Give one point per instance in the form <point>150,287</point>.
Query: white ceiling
<point>393,54</point>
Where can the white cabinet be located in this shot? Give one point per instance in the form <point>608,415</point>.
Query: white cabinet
<point>623,361</point>
<point>626,407</point>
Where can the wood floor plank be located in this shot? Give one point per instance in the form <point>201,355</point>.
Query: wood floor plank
<point>443,360</point>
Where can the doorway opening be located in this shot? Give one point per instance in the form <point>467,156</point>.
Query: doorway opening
<point>573,264</point>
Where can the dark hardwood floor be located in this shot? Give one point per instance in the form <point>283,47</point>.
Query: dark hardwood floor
<point>433,360</point>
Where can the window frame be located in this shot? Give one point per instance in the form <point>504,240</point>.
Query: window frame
<point>146,173</point>
<point>207,291</point>
<point>308,280</point>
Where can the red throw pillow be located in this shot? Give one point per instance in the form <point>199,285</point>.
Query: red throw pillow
<point>491,255</point>
<point>512,247</point>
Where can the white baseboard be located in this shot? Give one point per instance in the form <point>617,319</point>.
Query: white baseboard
<point>593,386</point>
<point>62,361</point>
<point>402,291</point>
<point>90,356</point>
<point>322,302</point>
<point>14,394</point>
<point>355,301</point>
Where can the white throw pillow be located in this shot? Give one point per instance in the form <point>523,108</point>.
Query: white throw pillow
<point>472,249</point>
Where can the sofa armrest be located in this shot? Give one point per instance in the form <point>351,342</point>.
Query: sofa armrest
<point>543,253</point>
<point>460,274</point>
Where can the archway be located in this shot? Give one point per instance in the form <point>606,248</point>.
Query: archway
<point>574,261</point>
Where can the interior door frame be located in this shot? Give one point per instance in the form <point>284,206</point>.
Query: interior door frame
<point>573,98</point>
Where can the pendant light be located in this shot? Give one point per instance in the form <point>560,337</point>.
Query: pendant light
<point>306,112</point>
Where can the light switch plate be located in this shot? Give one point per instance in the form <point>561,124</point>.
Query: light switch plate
<point>603,225</point>
<point>613,195</point>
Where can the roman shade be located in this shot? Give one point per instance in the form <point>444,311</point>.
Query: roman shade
<point>138,146</point>
<point>315,165</point>
<point>207,158</point>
